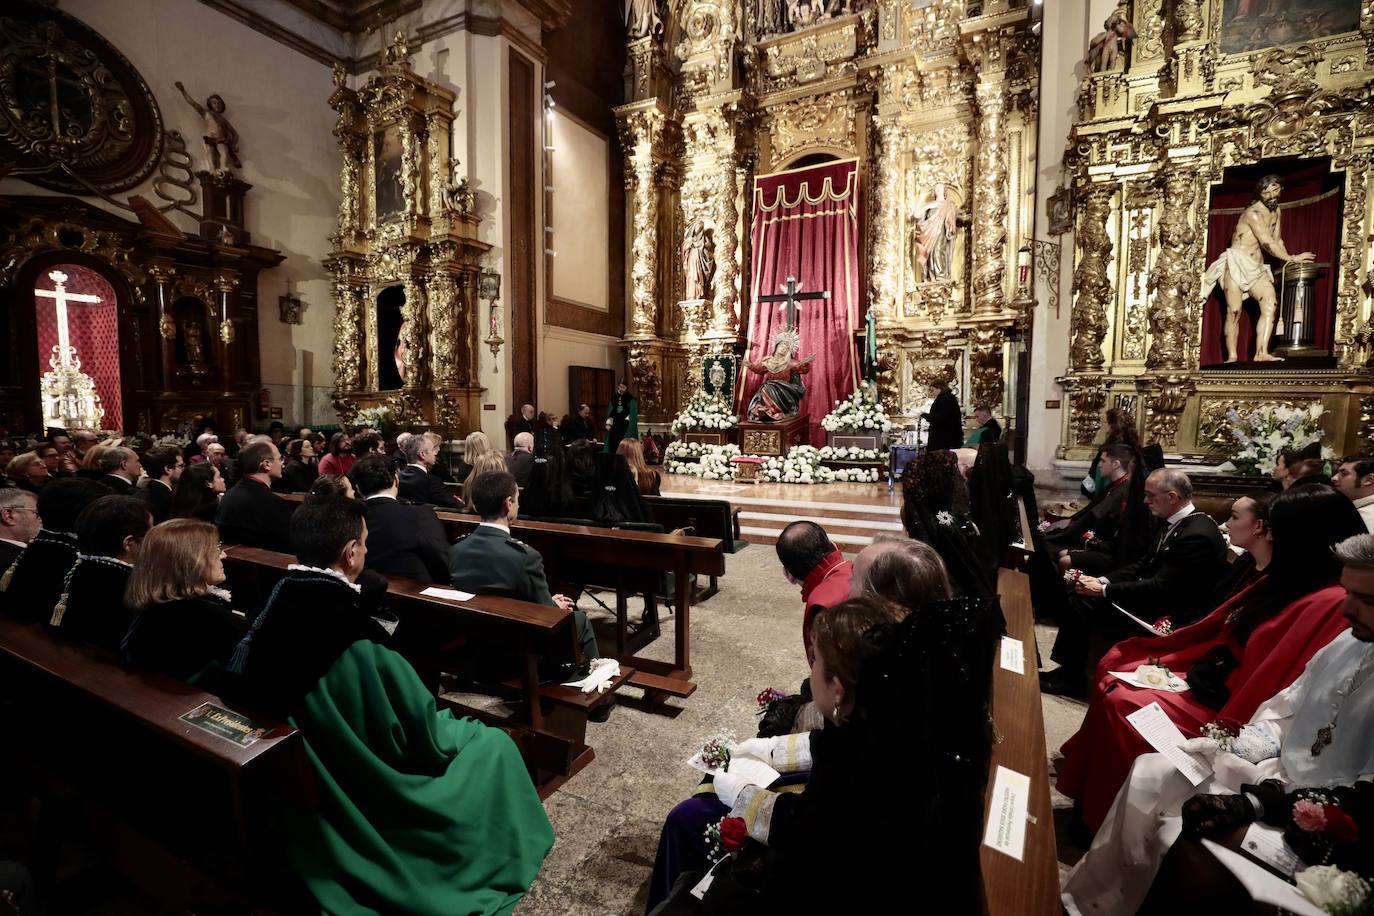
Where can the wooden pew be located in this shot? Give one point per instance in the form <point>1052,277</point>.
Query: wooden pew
<point>183,812</point>
<point>433,631</point>
<point>578,554</point>
<point>1029,887</point>
<point>706,518</point>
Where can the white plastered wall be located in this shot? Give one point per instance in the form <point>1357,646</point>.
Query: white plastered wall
<point>277,101</point>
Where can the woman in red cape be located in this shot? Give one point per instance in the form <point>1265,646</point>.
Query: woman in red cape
<point>1248,649</point>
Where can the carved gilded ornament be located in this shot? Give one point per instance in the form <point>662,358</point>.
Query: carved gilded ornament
<point>1086,400</point>
<point>821,122</point>
<point>1174,279</point>
<point>643,364</point>
<point>985,365</point>
<point>812,56</point>
<point>1164,408</point>
<point>990,202</point>
<point>38,235</point>
<point>1092,285</point>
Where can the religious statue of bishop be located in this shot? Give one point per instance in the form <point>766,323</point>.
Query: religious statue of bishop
<point>780,396</point>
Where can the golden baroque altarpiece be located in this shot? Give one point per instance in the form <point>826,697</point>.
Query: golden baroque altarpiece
<point>405,220</point>
<point>1155,132</point>
<point>936,104</point>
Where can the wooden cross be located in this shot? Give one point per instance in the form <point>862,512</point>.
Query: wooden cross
<point>791,300</point>
<point>65,351</point>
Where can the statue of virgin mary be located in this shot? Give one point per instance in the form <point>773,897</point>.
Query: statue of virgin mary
<point>780,396</point>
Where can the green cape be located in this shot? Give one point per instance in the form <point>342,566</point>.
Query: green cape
<point>419,812</point>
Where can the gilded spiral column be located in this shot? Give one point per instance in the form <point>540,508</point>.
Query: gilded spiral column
<point>1174,278</point>
<point>643,128</point>
<point>1092,285</point>
<point>443,321</point>
<point>724,317</point>
<point>413,333</point>
<point>886,243</point>
<point>990,201</point>
<point>347,332</point>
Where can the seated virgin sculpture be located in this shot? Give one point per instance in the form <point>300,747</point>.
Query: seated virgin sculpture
<point>782,391</point>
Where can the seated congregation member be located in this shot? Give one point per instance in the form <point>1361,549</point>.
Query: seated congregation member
<point>121,468</point>
<point>579,426</point>
<point>1313,733</point>
<point>198,450</point>
<point>549,494</point>
<point>417,482</point>
<point>582,456</point>
<point>339,459</point>
<point>403,539</point>
<point>163,466</point>
<point>27,472</point>
<point>474,446</point>
<point>646,478</point>
<point>299,470</point>
<point>198,493</point>
<point>1308,470</point>
<point>617,498</point>
<point>419,812</point>
<point>33,583</point>
<point>251,514</point>
<point>988,429</point>
<point>1355,478</point>
<point>1176,575</point>
<point>1248,649</point>
<point>991,504</point>
<point>870,676</point>
<point>183,622</point>
<point>812,562</point>
<point>365,443</point>
<point>109,533</point>
<point>521,460</point>
<point>935,509</point>
<point>332,485</point>
<point>1091,538</point>
<point>491,562</point>
<point>492,462</point>
<point>19,522</point>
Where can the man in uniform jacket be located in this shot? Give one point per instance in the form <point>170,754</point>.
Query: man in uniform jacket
<point>403,539</point>
<point>946,428</point>
<point>250,513</point>
<point>491,562</point>
<point>1176,576</point>
<point>417,482</point>
<point>163,466</point>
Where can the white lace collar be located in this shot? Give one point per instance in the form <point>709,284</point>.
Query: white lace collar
<point>298,567</point>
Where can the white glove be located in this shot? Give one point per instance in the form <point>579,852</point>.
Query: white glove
<point>1204,747</point>
<point>758,748</point>
<point>728,788</point>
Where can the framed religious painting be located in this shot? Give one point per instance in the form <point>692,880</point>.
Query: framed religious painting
<point>1249,25</point>
<point>718,375</point>
<point>390,199</point>
<point>1061,211</point>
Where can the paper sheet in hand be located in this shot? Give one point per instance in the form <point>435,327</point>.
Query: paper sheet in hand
<point>1006,830</point>
<point>1013,655</point>
<point>1148,627</point>
<point>1176,684</point>
<point>754,772</point>
<point>1263,885</point>
<point>1159,730</point>
<point>448,594</point>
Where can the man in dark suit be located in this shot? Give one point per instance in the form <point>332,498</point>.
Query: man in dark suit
<point>579,426</point>
<point>250,513</point>
<point>521,461</point>
<point>1175,576</point>
<point>403,539</point>
<point>527,422</point>
<point>163,466</point>
<point>120,470</point>
<point>417,484</point>
<point>19,522</point>
<point>946,426</point>
<point>1068,541</point>
<point>491,562</point>
<point>988,430</point>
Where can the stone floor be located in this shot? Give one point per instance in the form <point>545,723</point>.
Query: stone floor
<point>607,818</point>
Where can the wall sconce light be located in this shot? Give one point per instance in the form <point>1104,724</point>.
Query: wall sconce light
<point>489,288</point>
<point>292,309</point>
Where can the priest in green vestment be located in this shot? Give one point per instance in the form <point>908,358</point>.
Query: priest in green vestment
<point>418,812</point>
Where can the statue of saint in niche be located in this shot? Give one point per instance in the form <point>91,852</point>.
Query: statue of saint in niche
<point>1241,270</point>
<point>642,19</point>
<point>390,198</point>
<point>698,261</point>
<point>1108,46</point>
<point>930,245</point>
<point>219,133</point>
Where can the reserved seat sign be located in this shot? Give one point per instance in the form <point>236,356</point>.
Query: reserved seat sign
<point>225,723</point>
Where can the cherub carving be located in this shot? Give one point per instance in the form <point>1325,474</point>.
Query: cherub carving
<point>218,131</point>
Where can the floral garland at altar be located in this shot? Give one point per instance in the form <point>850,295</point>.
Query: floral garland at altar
<point>704,411</point>
<point>861,410</point>
<point>800,465</point>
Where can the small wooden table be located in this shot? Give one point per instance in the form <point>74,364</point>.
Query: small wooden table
<point>773,440</point>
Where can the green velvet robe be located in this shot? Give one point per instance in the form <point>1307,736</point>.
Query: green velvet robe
<point>419,812</point>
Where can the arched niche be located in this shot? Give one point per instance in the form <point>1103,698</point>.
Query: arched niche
<point>390,318</point>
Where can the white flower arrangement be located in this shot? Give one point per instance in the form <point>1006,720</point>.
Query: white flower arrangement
<point>1265,432</point>
<point>697,459</point>
<point>374,418</point>
<point>1340,893</point>
<point>861,410</point>
<point>800,465</point>
<point>704,411</point>
<point>852,453</point>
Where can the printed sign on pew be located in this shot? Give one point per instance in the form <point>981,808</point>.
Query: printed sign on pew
<point>225,723</point>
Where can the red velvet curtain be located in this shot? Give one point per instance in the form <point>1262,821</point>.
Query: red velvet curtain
<point>806,225</point>
<point>1312,226</point>
<point>93,328</point>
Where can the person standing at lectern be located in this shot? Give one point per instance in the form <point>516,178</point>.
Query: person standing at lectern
<point>946,430</point>
<point>1242,272</point>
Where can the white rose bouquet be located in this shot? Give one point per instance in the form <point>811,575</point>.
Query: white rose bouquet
<point>861,410</point>
<point>1265,432</point>
<point>704,411</point>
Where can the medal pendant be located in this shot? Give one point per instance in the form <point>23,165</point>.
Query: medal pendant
<point>1323,740</point>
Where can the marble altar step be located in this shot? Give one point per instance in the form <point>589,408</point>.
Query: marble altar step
<point>851,525</point>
